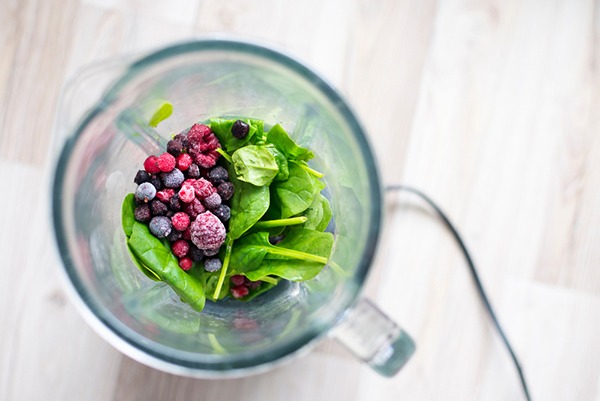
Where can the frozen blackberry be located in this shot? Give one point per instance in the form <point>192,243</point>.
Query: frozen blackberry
<point>240,129</point>
<point>212,265</point>
<point>195,254</point>
<point>218,175</point>
<point>174,235</point>
<point>223,212</point>
<point>225,190</point>
<point>145,192</point>
<point>155,180</point>
<point>193,171</point>
<point>183,139</point>
<point>210,252</point>
<point>160,226</point>
<point>141,177</point>
<point>142,213</point>
<point>158,208</point>
<point>175,203</point>
<point>173,179</point>
<point>212,201</point>
<point>174,147</point>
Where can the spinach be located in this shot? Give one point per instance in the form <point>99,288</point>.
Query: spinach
<point>255,165</point>
<point>318,214</point>
<point>161,114</point>
<point>222,129</point>
<point>295,194</point>
<point>278,137</point>
<point>248,205</point>
<point>161,261</point>
<point>127,214</point>
<point>282,163</point>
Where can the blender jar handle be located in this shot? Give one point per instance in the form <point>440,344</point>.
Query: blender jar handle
<point>374,338</point>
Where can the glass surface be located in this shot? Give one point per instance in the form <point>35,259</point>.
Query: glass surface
<point>102,152</point>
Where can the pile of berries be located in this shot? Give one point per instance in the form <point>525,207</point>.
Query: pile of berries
<point>182,195</point>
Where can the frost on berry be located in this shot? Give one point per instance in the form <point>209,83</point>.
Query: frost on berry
<point>207,231</point>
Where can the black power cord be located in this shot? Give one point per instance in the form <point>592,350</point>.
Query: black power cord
<point>474,275</point>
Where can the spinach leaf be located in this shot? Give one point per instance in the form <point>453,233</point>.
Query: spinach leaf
<point>264,287</point>
<point>248,205</point>
<point>278,137</point>
<point>318,214</point>
<point>153,254</point>
<point>127,215</point>
<point>222,129</point>
<point>255,165</point>
<point>296,193</point>
<point>282,163</point>
<point>161,114</point>
<point>248,252</point>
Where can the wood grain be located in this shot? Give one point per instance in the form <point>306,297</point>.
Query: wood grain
<point>488,106</point>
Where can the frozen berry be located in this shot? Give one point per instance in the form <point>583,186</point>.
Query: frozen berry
<point>185,263</point>
<point>142,213</point>
<point>193,171</point>
<point>225,190</point>
<point>165,195</point>
<point>212,265</point>
<point>145,192</point>
<point>141,176</point>
<point>208,232</point>
<point>187,234</point>
<point>166,162</point>
<point>238,279</point>
<point>239,291</point>
<point>169,213</point>
<point>174,235</point>
<point>180,248</point>
<point>218,175</point>
<point>195,253</point>
<point>180,221</point>
<point>154,180</point>
<point>212,201</point>
<point>160,226</point>
<point>203,188</point>
<point>158,208</point>
<point>172,179</point>
<point>202,143</point>
<point>151,165</point>
<point>208,159</point>
<point>210,252</point>
<point>186,193</point>
<point>183,139</point>
<point>240,129</point>
<point>253,284</point>
<point>184,161</point>
<point>174,147</point>
<point>175,203</point>
<point>222,212</point>
<point>194,208</point>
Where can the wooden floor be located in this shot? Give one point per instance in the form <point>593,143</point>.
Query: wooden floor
<point>490,107</point>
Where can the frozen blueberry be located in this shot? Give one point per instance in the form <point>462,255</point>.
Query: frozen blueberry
<point>212,201</point>
<point>175,203</point>
<point>173,179</point>
<point>193,171</point>
<point>160,226</point>
<point>142,213</point>
<point>212,265</point>
<point>154,180</point>
<point>145,192</point>
<point>141,177</point>
<point>225,190</point>
<point>158,208</point>
<point>210,252</point>
<point>174,147</point>
<point>195,254</point>
<point>240,129</point>
<point>218,175</point>
<point>222,212</point>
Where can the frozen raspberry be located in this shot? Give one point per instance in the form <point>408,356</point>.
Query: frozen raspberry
<point>165,195</point>
<point>240,129</point>
<point>238,279</point>
<point>141,176</point>
<point>180,221</point>
<point>174,147</point>
<point>160,226</point>
<point>212,265</point>
<point>223,213</point>
<point>208,232</point>
<point>194,208</point>
<point>155,180</point>
<point>208,159</point>
<point>203,188</point>
<point>202,145</point>
<point>253,284</point>
<point>218,175</point>
<point>185,263</point>
<point>187,234</point>
<point>180,248</point>
<point>186,193</point>
<point>225,190</point>
<point>158,208</point>
<point>173,179</point>
<point>193,171</point>
<point>175,203</point>
<point>184,161</point>
<point>212,201</point>
<point>151,165</point>
<point>145,192</point>
<point>142,213</point>
<point>195,253</point>
<point>166,162</point>
<point>210,252</point>
<point>239,291</point>
<point>174,235</point>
